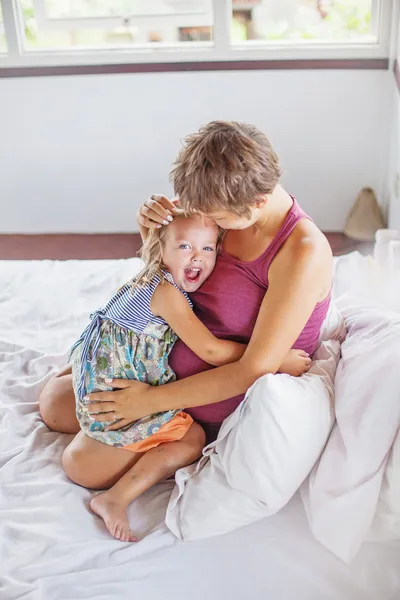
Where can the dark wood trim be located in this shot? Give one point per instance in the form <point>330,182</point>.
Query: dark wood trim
<point>225,65</point>
<point>69,246</point>
<point>109,246</point>
<point>396,72</point>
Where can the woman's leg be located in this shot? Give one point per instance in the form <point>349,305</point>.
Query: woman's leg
<point>96,465</point>
<point>57,403</point>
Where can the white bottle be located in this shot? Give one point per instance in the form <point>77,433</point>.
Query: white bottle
<point>383,238</point>
<point>394,256</point>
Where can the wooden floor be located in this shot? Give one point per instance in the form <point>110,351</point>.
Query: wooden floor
<point>109,246</point>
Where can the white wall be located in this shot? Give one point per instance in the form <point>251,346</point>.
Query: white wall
<point>78,154</point>
<point>392,179</point>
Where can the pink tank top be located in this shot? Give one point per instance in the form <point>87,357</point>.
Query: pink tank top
<point>228,304</point>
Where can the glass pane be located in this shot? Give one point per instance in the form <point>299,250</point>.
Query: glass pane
<point>3,43</point>
<point>71,24</point>
<point>56,9</point>
<point>295,20</point>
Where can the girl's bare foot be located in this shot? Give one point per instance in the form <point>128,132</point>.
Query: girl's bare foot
<point>114,516</point>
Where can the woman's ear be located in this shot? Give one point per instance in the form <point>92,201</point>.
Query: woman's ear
<point>260,201</point>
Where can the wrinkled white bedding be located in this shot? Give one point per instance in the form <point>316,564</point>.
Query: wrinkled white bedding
<point>342,495</point>
<point>52,548</point>
<point>287,427</point>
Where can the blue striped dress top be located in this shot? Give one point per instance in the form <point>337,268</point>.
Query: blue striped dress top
<point>128,308</point>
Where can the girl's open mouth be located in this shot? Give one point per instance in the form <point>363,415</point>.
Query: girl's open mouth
<point>193,274</point>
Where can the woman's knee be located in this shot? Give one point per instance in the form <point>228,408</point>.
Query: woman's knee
<point>57,405</point>
<point>48,400</point>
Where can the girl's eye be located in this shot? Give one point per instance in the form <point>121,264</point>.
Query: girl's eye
<point>184,246</point>
<point>208,248</point>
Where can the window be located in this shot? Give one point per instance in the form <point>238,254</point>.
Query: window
<point>3,43</point>
<point>89,32</point>
<point>66,24</point>
<point>326,21</point>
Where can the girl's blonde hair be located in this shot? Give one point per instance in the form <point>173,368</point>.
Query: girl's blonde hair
<point>151,253</point>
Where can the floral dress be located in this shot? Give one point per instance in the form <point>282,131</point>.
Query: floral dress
<point>124,340</point>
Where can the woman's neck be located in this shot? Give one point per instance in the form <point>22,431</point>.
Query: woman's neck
<point>274,212</point>
<point>248,244</point>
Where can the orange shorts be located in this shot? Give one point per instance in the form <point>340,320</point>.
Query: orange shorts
<point>172,431</point>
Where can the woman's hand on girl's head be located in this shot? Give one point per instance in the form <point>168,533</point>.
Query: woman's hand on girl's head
<point>127,404</point>
<point>158,210</point>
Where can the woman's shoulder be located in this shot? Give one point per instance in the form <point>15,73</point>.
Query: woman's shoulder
<point>307,238</point>
<point>305,250</point>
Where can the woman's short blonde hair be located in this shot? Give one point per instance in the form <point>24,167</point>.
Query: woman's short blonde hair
<point>226,165</point>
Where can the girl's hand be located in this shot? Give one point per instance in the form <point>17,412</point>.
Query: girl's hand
<point>295,363</point>
<point>156,211</point>
<point>128,404</point>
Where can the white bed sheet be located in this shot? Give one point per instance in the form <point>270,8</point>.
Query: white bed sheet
<point>53,548</point>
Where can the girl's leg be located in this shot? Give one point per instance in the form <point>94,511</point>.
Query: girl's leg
<point>57,403</point>
<point>96,465</point>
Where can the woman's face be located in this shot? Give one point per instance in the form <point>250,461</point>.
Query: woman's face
<point>190,251</point>
<point>228,220</point>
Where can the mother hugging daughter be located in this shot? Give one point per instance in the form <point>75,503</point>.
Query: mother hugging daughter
<point>260,293</point>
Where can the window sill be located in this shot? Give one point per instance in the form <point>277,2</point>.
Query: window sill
<point>219,65</point>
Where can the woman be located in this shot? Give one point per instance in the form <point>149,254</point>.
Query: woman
<point>270,289</point>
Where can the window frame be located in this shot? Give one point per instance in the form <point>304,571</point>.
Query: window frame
<point>217,51</point>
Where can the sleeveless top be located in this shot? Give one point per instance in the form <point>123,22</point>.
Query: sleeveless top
<point>228,303</point>
<point>128,308</point>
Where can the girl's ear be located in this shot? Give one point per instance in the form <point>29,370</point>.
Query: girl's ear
<point>162,251</point>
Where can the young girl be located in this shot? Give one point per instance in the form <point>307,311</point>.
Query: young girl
<point>132,337</point>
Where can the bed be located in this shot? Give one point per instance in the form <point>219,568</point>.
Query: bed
<point>53,548</point>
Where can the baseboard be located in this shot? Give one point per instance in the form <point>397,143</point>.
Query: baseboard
<point>109,246</point>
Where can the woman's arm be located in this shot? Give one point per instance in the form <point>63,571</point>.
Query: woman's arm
<point>294,290</point>
<point>170,304</point>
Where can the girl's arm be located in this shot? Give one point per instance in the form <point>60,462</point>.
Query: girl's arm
<point>170,304</point>
<point>297,279</point>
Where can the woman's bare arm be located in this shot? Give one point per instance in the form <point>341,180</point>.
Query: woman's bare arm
<point>296,280</point>
<point>294,290</point>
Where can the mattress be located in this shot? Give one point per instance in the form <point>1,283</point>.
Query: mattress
<point>53,548</point>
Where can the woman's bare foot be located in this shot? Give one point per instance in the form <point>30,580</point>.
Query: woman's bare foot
<point>114,516</point>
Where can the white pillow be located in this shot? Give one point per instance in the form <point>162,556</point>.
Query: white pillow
<point>342,493</point>
<point>284,426</point>
<point>264,451</point>
<point>203,504</point>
